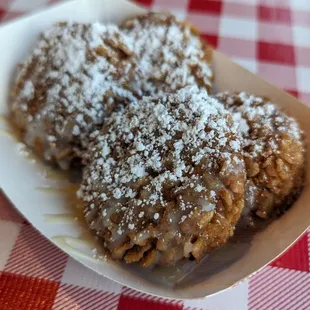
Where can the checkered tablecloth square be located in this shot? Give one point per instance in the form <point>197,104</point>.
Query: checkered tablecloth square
<point>270,38</point>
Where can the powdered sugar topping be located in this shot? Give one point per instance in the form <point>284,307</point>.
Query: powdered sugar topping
<point>260,122</point>
<point>75,74</point>
<point>170,55</point>
<point>164,141</point>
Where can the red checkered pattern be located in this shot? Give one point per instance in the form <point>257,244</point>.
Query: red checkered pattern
<point>270,38</point>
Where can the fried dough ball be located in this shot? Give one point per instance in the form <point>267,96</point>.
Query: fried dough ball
<point>73,77</point>
<point>274,153</point>
<point>165,179</point>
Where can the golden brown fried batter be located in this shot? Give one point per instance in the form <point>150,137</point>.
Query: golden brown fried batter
<point>79,73</point>
<point>274,153</point>
<point>170,54</point>
<point>74,76</point>
<point>165,179</point>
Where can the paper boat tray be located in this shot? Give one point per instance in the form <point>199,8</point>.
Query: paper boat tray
<point>21,179</point>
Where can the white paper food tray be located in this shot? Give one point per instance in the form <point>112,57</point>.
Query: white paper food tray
<point>20,179</point>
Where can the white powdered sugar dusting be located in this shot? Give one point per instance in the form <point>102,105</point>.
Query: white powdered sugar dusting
<point>260,122</point>
<point>170,55</point>
<point>79,73</point>
<point>162,140</point>
<point>75,74</point>
<point>28,90</point>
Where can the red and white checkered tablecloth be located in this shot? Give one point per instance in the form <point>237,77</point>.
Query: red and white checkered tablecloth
<point>269,37</point>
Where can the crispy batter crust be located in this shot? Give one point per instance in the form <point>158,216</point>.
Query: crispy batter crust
<point>165,179</point>
<point>62,92</point>
<point>274,153</point>
<point>170,53</point>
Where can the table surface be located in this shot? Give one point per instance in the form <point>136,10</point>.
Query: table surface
<point>270,38</point>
